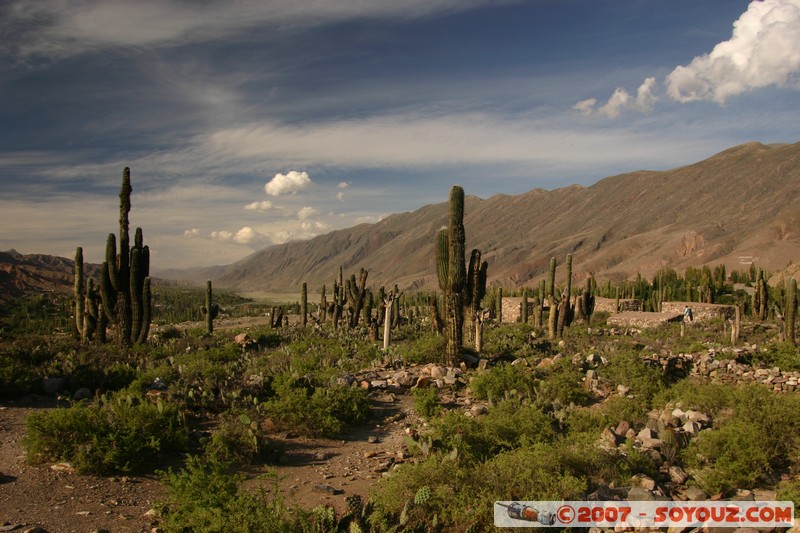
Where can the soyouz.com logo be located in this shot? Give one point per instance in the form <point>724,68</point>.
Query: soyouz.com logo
<point>643,514</point>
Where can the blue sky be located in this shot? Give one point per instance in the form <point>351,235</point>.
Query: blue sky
<point>251,123</point>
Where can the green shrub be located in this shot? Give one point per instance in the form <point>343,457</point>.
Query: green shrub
<point>123,434</point>
<point>509,341</point>
<point>784,355</point>
<point>321,411</point>
<point>509,425</point>
<point>427,348</point>
<point>504,380</point>
<point>426,402</point>
<point>204,497</point>
<point>564,384</point>
<point>237,440</point>
<point>628,368</point>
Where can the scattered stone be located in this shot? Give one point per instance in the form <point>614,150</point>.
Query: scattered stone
<point>478,410</point>
<point>82,394</point>
<point>404,379</point>
<point>63,467</point>
<point>372,439</point>
<point>695,494</point>
<point>327,489</point>
<point>643,481</point>
<point>609,439</point>
<point>53,386</point>
<point>640,494</point>
<point>622,428</point>
<point>422,381</point>
<point>677,475</point>
<point>370,454</point>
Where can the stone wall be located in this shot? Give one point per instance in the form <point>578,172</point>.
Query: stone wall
<point>701,311</point>
<point>721,370</point>
<point>639,320</point>
<point>609,305</point>
<point>512,308</point>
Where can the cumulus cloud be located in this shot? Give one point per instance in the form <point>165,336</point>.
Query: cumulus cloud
<point>340,196</point>
<point>343,185</point>
<point>621,100</point>
<point>763,50</point>
<point>585,107</point>
<point>259,206</point>
<point>289,183</point>
<point>246,235</point>
<point>191,233</point>
<point>307,212</point>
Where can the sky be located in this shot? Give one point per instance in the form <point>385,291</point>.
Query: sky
<point>248,123</point>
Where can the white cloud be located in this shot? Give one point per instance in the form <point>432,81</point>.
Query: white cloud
<point>340,196</point>
<point>764,50</point>
<point>585,107</point>
<point>289,183</point>
<point>307,212</point>
<point>259,206</point>
<point>191,233</point>
<point>621,100</point>
<point>343,185</point>
<point>245,235</point>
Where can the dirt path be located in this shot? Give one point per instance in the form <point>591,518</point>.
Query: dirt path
<point>311,472</point>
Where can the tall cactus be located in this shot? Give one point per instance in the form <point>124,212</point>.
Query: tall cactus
<point>762,294</point>
<point>791,309</point>
<point>565,311</point>
<point>452,273</point>
<point>552,318</point>
<point>586,302</point>
<point>79,293</point>
<point>124,284</point>
<point>523,311</point>
<point>210,310</point>
<point>476,290</point>
<point>304,304</point>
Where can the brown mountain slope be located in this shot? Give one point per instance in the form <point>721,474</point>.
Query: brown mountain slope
<point>741,202</point>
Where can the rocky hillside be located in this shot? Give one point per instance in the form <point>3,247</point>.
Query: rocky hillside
<point>736,206</point>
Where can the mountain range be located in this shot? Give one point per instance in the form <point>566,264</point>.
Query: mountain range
<point>734,208</point>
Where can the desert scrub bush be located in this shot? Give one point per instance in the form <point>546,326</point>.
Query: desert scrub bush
<point>205,497</point>
<point>121,434</point>
<point>563,383</point>
<point>427,348</point>
<point>426,402</point>
<point>608,414</point>
<point>509,341</point>
<point>504,380</point>
<point>238,440</point>
<point>628,368</point>
<point>510,424</point>
<point>783,355</point>
<point>16,377</point>
<point>313,409</point>
<point>756,434</point>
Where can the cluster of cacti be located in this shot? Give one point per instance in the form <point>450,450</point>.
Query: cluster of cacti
<point>356,293</point>
<point>125,298</point>
<point>210,310</point>
<point>463,291</point>
<point>125,277</point>
<point>790,310</point>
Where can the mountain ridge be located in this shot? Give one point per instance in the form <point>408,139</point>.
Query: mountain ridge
<point>738,205</point>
